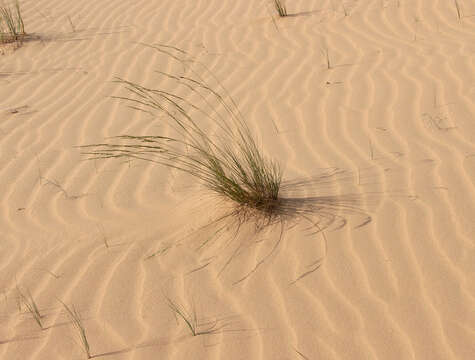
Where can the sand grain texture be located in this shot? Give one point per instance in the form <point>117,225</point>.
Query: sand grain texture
<point>369,103</point>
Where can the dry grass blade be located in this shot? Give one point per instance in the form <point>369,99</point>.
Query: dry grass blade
<point>191,319</point>
<point>12,27</point>
<point>280,7</point>
<point>301,355</point>
<point>30,304</point>
<point>228,161</point>
<point>77,322</point>
<point>459,11</point>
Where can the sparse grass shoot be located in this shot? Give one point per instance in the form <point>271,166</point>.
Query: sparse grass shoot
<point>163,250</point>
<point>73,28</point>
<point>327,58</point>
<point>78,325</point>
<point>30,304</point>
<point>459,11</point>
<point>280,7</point>
<point>191,320</point>
<point>345,10</point>
<point>12,28</point>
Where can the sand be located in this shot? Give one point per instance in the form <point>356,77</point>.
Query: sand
<point>370,102</point>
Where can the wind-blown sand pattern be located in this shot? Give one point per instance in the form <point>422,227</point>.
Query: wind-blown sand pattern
<point>368,104</point>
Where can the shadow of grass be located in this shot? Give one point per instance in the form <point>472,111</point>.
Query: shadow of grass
<point>313,204</point>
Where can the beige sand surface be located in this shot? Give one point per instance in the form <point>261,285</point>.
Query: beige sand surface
<point>389,128</point>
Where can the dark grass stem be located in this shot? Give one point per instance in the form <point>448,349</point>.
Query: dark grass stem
<point>280,7</point>
<point>191,320</point>
<point>29,302</point>
<point>459,11</point>
<point>78,325</point>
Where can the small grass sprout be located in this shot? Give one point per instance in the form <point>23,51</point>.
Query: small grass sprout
<point>459,11</point>
<point>191,320</point>
<point>30,304</point>
<point>78,325</point>
<point>280,7</point>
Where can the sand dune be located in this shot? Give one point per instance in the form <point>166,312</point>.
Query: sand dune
<point>366,104</point>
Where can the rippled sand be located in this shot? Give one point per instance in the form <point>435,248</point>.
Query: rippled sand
<point>368,106</point>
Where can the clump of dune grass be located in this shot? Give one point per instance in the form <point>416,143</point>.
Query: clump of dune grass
<point>191,320</point>
<point>78,325</point>
<point>209,138</point>
<point>12,27</point>
<point>280,7</point>
<point>206,137</point>
<point>29,302</point>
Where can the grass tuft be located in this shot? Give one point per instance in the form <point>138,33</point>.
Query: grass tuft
<point>280,7</point>
<point>191,320</point>
<point>77,322</point>
<point>227,160</point>
<point>12,27</point>
<point>30,304</point>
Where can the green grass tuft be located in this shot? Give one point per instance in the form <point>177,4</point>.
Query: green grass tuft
<point>226,159</point>
<point>12,27</point>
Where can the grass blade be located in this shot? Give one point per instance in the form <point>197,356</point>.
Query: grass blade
<point>280,7</point>
<point>78,325</point>
<point>30,304</point>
